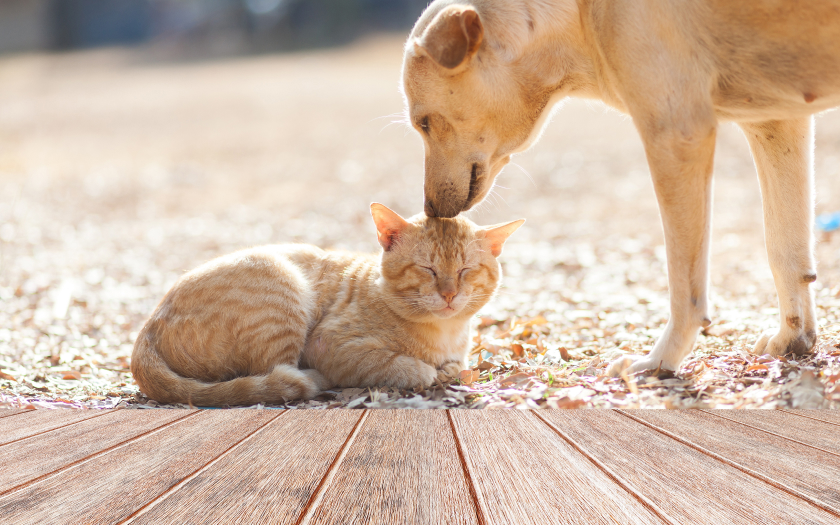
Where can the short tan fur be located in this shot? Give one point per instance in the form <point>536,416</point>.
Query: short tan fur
<point>481,78</point>
<point>283,322</point>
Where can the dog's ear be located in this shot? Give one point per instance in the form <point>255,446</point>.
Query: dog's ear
<point>496,235</point>
<point>389,224</point>
<point>453,37</point>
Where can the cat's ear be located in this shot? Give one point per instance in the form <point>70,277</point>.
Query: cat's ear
<point>497,235</point>
<point>389,224</point>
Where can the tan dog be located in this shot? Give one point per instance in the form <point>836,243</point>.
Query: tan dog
<point>481,77</point>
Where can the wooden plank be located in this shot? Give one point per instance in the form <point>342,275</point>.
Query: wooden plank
<point>26,460</point>
<point>829,416</point>
<point>6,412</point>
<point>268,479</point>
<point>525,473</point>
<point>694,487</point>
<point>110,487</point>
<point>805,470</point>
<point>403,467</point>
<point>792,426</point>
<point>41,421</point>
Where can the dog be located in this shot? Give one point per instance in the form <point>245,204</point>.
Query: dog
<point>480,79</point>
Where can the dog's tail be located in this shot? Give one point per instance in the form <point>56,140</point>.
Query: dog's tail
<point>159,382</point>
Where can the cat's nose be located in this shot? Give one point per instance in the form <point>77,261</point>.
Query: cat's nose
<point>448,296</point>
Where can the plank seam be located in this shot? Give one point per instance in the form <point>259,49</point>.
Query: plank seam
<point>22,411</point>
<point>104,413</point>
<point>475,491</point>
<point>746,470</point>
<point>808,417</point>
<point>95,455</point>
<point>174,488</point>
<point>772,433</point>
<point>318,494</point>
<point>650,505</point>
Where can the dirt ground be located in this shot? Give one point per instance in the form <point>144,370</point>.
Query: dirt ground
<point>119,171</point>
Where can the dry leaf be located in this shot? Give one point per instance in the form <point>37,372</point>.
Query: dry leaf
<point>4,375</point>
<point>757,367</point>
<point>518,350</point>
<point>72,375</point>
<point>566,403</point>
<point>469,376</point>
<point>516,379</point>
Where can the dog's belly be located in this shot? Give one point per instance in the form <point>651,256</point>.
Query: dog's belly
<point>774,60</point>
<point>762,104</point>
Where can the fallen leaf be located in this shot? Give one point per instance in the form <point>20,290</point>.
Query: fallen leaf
<point>757,367</point>
<point>518,350</point>
<point>539,320</point>
<point>72,375</point>
<point>4,375</point>
<point>566,403</point>
<point>564,353</point>
<point>469,376</point>
<point>516,379</point>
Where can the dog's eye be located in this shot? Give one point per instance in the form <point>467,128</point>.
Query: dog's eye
<point>424,124</point>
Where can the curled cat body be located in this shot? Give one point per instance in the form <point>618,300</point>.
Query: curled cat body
<point>283,322</point>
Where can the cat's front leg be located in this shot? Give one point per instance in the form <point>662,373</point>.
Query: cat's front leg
<point>364,365</point>
<point>449,371</point>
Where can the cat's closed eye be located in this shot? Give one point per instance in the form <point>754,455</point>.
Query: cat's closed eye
<point>429,269</point>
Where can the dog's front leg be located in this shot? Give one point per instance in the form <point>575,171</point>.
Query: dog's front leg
<point>680,152</point>
<point>783,156</point>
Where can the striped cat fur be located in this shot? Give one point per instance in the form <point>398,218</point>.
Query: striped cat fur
<point>283,322</point>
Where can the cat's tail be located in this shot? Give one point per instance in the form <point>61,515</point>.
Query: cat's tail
<point>159,382</point>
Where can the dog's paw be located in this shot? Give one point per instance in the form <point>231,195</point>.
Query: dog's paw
<point>780,343</point>
<point>633,364</point>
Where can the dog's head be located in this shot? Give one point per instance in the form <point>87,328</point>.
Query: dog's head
<point>471,104</point>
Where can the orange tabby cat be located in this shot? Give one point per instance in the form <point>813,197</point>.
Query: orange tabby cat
<point>282,322</point>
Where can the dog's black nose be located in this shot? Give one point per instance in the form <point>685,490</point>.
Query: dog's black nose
<point>429,208</point>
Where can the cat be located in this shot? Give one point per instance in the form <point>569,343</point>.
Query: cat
<point>283,322</point>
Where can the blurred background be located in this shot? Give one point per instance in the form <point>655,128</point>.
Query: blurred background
<point>141,138</point>
<point>204,26</point>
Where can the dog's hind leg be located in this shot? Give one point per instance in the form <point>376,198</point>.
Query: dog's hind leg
<point>680,152</point>
<point>783,154</point>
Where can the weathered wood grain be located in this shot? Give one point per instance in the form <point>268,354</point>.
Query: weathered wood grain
<point>806,430</point>
<point>693,487</point>
<point>6,412</point>
<point>403,467</point>
<point>526,474</point>
<point>829,416</point>
<point>23,461</point>
<point>803,469</point>
<point>268,479</point>
<point>41,421</point>
<point>110,487</point>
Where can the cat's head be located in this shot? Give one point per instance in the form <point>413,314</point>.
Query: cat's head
<point>435,268</point>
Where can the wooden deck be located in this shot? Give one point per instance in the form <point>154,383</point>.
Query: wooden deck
<point>459,467</point>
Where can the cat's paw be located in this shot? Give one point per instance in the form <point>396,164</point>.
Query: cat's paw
<point>449,371</point>
<point>410,373</point>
